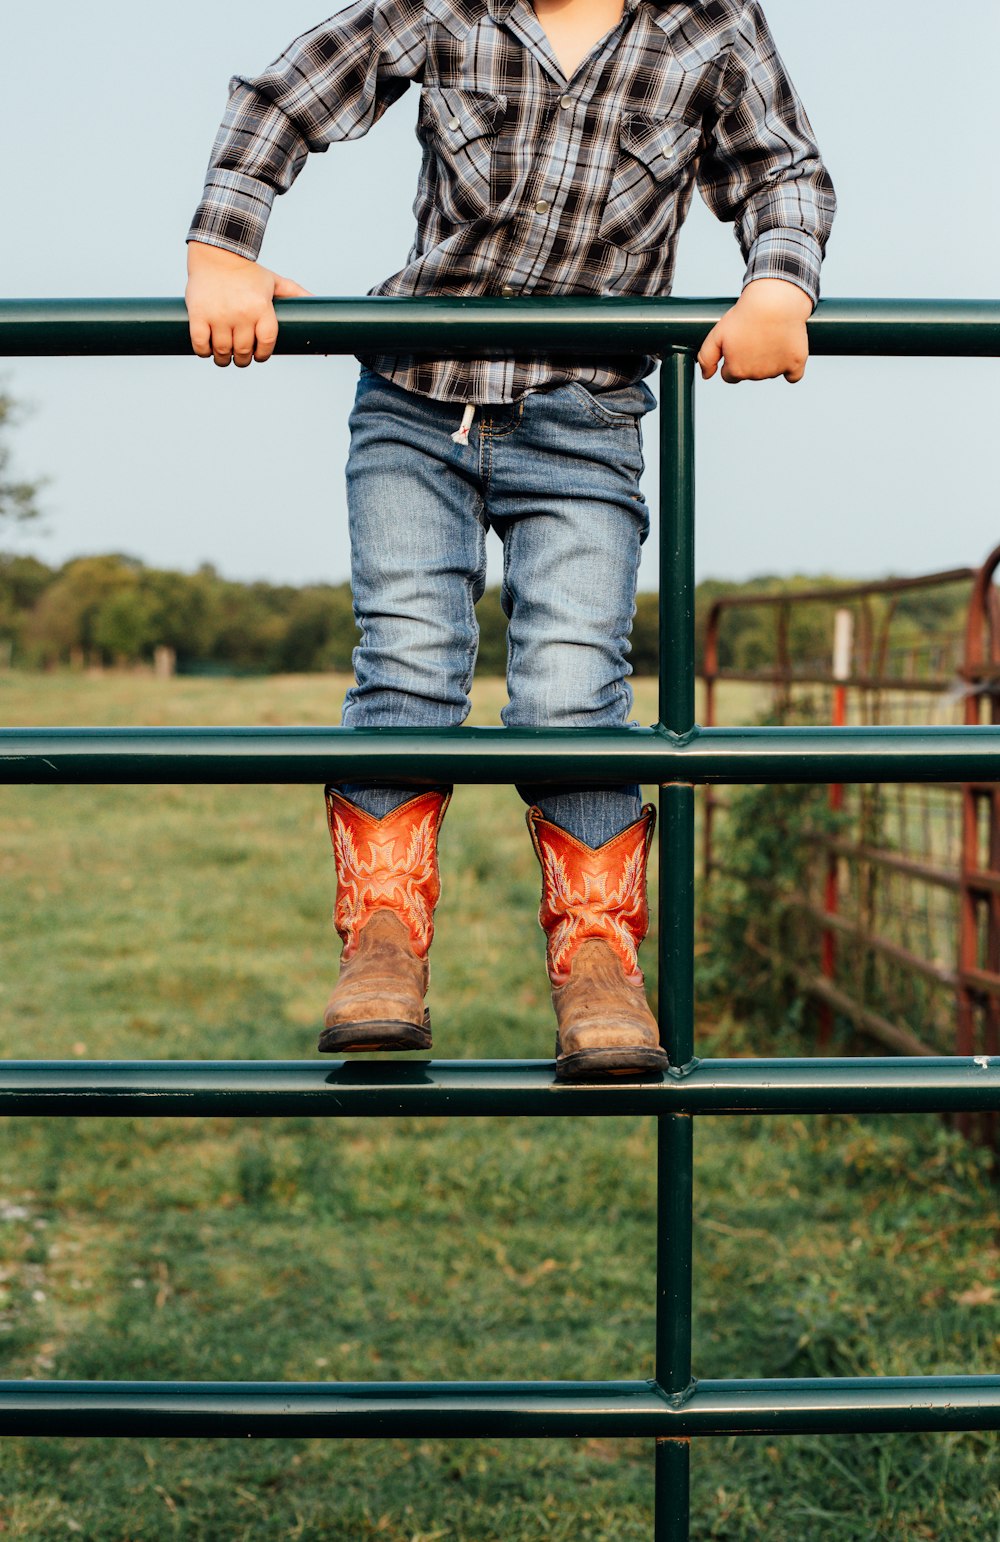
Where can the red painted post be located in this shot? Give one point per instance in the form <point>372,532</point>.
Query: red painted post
<point>980,846</point>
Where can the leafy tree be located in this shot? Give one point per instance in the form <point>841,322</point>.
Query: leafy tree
<point>125,625</point>
<point>492,657</point>
<point>22,581</point>
<point>319,630</point>
<point>250,628</point>
<point>66,614</point>
<point>115,607</point>
<point>184,611</point>
<point>17,499</point>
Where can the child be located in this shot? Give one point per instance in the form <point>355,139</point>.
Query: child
<point>561,143</point>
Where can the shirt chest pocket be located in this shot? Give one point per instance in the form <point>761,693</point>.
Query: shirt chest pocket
<point>459,129</point>
<point>655,159</point>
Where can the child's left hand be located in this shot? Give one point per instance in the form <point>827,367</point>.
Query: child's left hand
<point>762,336</point>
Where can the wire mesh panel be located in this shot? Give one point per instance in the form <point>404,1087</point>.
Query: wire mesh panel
<point>889,925</point>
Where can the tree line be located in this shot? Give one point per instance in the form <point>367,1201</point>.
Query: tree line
<point>114,610</point>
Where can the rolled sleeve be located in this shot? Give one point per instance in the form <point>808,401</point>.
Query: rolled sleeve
<point>793,255</point>
<point>233,213</point>
<point>762,169</point>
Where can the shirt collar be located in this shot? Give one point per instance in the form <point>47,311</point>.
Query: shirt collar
<point>499,9</point>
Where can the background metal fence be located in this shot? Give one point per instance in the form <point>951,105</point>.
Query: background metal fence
<point>674,1407</point>
<point>895,924</point>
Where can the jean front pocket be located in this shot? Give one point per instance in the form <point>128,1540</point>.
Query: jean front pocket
<point>621,408</point>
<point>459,128</point>
<point>655,162</point>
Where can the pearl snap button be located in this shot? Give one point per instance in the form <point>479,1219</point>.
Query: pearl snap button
<point>454,122</point>
<point>541,206</point>
<point>565,101</point>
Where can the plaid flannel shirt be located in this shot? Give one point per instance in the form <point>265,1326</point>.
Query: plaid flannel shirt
<point>531,183</point>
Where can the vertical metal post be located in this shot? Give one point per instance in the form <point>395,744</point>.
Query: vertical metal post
<point>677,673</point>
<point>676,933</point>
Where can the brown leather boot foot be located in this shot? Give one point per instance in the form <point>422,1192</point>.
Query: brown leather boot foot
<point>605,1027</point>
<point>345,1038</point>
<point>378,1001</point>
<point>605,1065</point>
<point>388,884</point>
<point>594,915</point>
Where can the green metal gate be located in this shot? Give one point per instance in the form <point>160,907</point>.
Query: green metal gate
<point>673,1408</point>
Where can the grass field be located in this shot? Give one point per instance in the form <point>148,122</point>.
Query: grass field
<point>195,922</point>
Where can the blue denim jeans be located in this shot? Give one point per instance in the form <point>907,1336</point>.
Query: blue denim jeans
<point>556,476</point>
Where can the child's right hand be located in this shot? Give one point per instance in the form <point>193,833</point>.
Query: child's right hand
<point>230,305</point>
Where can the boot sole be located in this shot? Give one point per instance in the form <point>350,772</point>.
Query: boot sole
<point>384,1034</point>
<point>591,1065</point>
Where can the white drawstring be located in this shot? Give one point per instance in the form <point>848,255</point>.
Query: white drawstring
<point>461,435</point>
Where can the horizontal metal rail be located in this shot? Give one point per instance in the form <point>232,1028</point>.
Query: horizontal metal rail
<point>863,936</point>
<point>426,1088</point>
<point>982,980</point>
<point>836,594</point>
<point>979,880</point>
<point>477,1410</point>
<point>933,685</point>
<point>891,861</point>
<point>891,1035</point>
<point>548,324</point>
<point>675,754</point>
<point>575,756</point>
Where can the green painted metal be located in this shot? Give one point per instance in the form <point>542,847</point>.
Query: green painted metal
<point>153,756</point>
<point>505,1409</point>
<point>675,1131</point>
<point>677,505</point>
<point>675,753</point>
<point>672,1494</point>
<point>498,1088</point>
<point>494,326</point>
<point>676,890</point>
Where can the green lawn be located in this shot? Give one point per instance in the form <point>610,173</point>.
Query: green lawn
<point>195,922</point>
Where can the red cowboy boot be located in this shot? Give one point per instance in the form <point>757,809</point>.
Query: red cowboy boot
<point>594,914</point>
<point>387,887</point>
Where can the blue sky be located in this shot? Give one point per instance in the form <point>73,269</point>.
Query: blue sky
<point>867,467</point>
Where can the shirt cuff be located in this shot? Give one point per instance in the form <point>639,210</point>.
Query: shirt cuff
<point>786,253</point>
<point>233,213</point>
